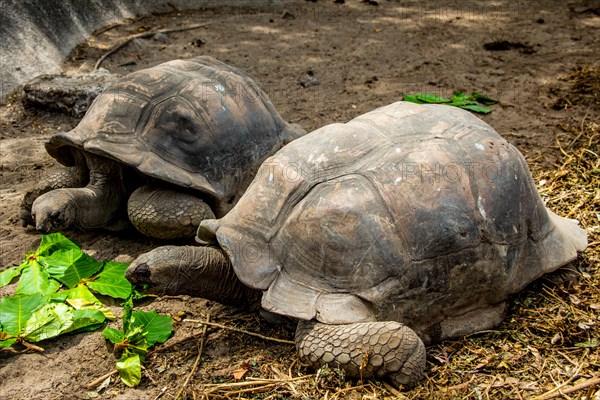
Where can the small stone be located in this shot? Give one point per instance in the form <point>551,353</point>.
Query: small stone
<point>309,79</point>
<point>160,37</point>
<point>198,42</point>
<point>287,15</point>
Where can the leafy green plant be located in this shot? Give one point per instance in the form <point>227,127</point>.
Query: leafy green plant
<point>39,310</point>
<point>141,330</point>
<point>474,102</point>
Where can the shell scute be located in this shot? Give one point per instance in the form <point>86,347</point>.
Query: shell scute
<point>198,123</point>
<point>423,213</point>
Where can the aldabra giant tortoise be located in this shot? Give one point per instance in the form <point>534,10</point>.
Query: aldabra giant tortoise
<point>409,224</point>
<point>166,146</point>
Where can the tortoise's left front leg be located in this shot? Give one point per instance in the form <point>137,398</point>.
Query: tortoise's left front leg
<point>364,349</point>
<point>55,178</point>
<point>95,206</point>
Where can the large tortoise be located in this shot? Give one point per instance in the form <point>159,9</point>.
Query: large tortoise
<point>164,147</point>
<point>409,224</point>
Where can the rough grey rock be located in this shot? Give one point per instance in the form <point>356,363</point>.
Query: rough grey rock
<point>68,94</point>
<point>37,35</point>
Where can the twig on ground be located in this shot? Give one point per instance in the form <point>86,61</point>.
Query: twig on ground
<point>236,386</point>
<point>393,391</point>
<point>169,346</point>
<point>101,379</point>
<point>198,357</point>
<point>31,346</point>
<point>559,391</point>
<point>131,38</point>
<point>272,339</point>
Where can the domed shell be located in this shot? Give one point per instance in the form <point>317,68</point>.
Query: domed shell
<point>411,213</point>
<point>197,123</point>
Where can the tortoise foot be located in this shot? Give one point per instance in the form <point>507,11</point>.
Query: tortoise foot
<point>366,349</point>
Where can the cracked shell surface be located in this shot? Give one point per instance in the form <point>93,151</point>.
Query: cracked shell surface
<point>421,214</point>
<point>197,123</point>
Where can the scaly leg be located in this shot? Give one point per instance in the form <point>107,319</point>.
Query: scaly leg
<point>55,178</point>
<point>95,206</point>
<point>166,214</point>
<point>364,349</point>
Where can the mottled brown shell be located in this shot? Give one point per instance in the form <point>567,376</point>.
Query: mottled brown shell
<point>197,123</point>
<point>412,213</point>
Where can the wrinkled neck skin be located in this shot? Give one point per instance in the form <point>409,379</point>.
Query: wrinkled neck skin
<point>192,270</point>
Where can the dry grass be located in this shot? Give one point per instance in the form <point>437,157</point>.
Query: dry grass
<point>548,347</point>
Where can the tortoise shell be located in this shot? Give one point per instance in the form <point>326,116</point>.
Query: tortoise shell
<point>197,123</point>
<point>413,213</point>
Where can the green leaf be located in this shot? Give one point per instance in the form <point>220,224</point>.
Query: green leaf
<point>158,327</point>
<point>411,98</point>
<point>431,98</point>
<point>53,242</point>
<point>16,310</point>
<point>34,279</point>
<point>460,97</point>
<point>114,335</point>
<point>127,310</point>
<point>48,322</point>
<point>130,369</point>
<point>111,281</point>
<point>9,274</point>
<point>86,320</point>
<point>80,297</point>
<point>7,342</point>
<point>477,108</point>
<point>483,99</point>
<point>587,345</point>
<point>136,337</point>
<point>70,266</point>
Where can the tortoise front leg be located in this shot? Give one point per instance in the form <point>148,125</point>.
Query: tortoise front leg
<point>193,270</point>
<point>55,178</point>
<point>94,206</point>
<point>364,349</point>
<point>166,214</point>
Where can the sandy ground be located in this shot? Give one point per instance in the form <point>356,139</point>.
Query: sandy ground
<point>362,56</point>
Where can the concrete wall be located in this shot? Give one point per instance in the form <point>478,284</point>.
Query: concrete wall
<point>37,35</point>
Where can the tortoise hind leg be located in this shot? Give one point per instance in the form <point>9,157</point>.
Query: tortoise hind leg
<point>166,214</point>
<point>364,349</point>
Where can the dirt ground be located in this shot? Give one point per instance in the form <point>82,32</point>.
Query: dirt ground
<point>363,55</point>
